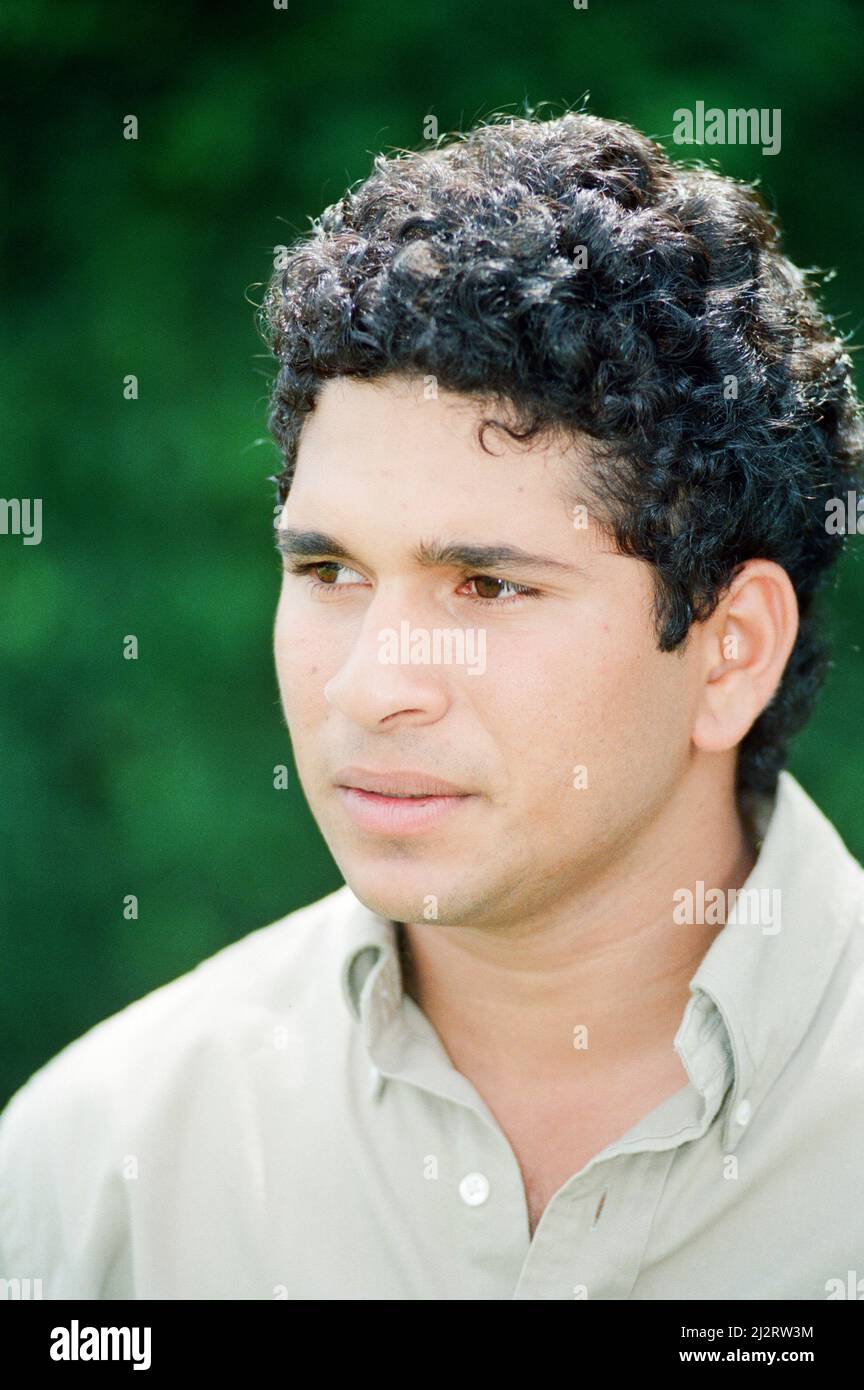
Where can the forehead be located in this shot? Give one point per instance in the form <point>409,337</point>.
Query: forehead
<point>400,440</point>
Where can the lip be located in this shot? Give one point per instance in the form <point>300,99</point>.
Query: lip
<point>396,784</point>
<point>401,803</point>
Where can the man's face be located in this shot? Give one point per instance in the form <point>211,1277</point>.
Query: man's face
<point>534,689</point>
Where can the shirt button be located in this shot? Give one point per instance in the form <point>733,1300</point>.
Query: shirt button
<point>743,1113</point>
<point>474,1189</point>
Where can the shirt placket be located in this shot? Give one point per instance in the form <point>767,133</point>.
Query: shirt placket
<point>591,1237</point>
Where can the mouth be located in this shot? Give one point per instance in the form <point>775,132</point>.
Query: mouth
<point>398,802</point>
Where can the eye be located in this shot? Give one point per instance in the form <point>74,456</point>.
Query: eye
<point>496,598</point>
<point>323,574</point>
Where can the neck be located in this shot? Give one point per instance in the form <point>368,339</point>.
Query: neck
<point>506,998</point>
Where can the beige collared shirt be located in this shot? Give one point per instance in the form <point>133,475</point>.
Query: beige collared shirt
<point>284,1122</point>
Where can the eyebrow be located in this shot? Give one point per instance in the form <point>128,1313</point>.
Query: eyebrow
<point>295,543</point>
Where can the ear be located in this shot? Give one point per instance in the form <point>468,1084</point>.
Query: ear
<point>746,644</point>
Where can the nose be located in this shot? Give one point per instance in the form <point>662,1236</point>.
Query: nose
<point>377,684</point>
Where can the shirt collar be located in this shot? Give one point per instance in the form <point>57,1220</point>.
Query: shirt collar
<point>754,992</point>
<point>766,984</point>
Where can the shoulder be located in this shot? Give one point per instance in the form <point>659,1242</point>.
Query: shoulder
<point>190,1042</point>
<point>267,973</point>
<point>819,1100</point>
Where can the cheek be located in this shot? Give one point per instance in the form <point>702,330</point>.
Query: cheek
<point>549,701</point>
<point>299,656</point>
<point>588,696</point>
<point>633,704</point>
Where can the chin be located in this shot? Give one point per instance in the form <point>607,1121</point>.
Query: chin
<point>398,897</point>
<point>412,893</point>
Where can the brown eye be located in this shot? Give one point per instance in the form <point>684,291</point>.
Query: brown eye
<point>494,584</point>
<point>326,565</point>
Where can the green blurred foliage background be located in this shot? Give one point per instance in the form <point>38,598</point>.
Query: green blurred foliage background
<point>155,776</point>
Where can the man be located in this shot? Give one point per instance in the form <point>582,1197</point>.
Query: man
<point>559,424</point>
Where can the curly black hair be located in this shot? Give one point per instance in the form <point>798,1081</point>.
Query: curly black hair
<point>569,269</point>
